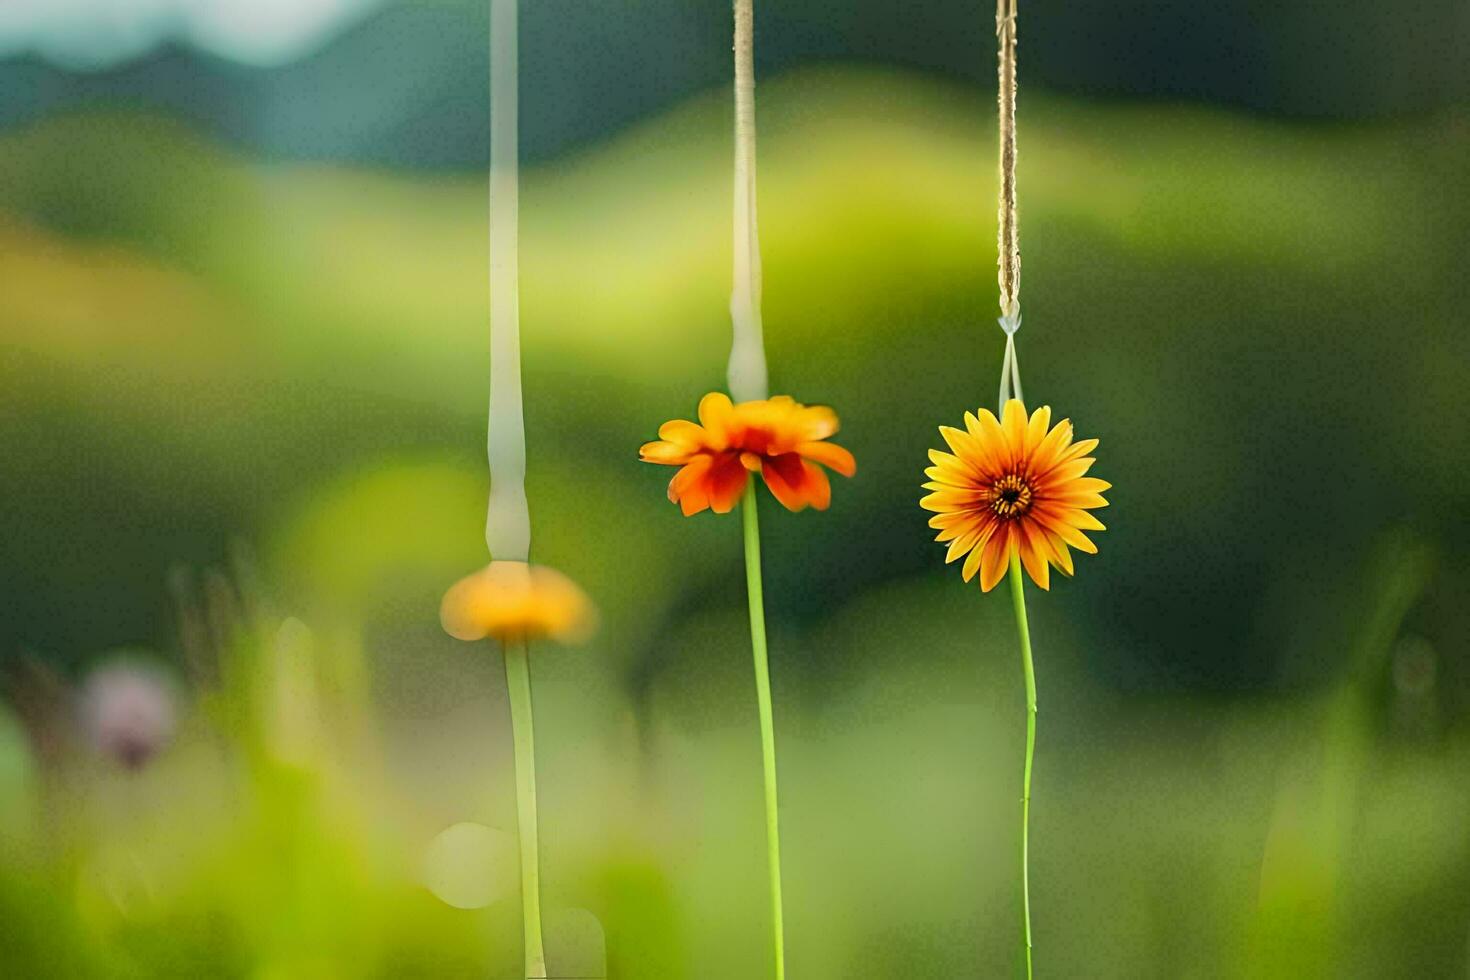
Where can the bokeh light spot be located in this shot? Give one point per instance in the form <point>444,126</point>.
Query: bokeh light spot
<point>470,865</point>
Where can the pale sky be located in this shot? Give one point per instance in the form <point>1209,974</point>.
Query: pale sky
<point>92,34</point>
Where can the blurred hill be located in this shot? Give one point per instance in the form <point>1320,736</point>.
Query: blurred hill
<point>397,88</point>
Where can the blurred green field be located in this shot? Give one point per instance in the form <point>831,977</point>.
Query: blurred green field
<point>242,418</point>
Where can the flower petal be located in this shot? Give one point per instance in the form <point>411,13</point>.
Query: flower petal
<point>972,563</point>
<point>715,413</point>
<point>829,454</point>
<point>1090,484</point>
<point>1049,453</point>
<point>1057,551</point>
<point>1083,448</point>
<point>667,453</point>
<point>694,500</point>
<point>682,432</point>
<point>513,599</point>
<point>1032,556</point>
<point>1077,518</point>
<point>996,556</point>
<point>943,500</point>
<point>689,488</point>
<point>946,460</point>
<point>964,444</point>
<point>815,422</point>
<point>726,482</point>
<point>990,459</point>
<point>818,487</point>
<point>785,477</point>
<point>1065,531</point>
<point>963,544</point>
<point>1036,429</point>
<point>690,474</point>
<point>1013,424</point>
<point>1065,473</point>
<point>1082,500</point>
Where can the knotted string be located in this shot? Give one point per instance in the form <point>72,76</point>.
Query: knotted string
<point>1008,244</point>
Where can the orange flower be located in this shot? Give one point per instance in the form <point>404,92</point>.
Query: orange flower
<point>1013,486</point>
<point>510,600</point>
<point>779,438</point>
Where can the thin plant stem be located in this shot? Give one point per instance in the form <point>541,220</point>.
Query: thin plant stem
<point>1018,597</point>
<point>518,684</point>
<point>763,700</point>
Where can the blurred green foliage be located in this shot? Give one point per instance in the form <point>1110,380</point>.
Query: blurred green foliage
<point>1242,769</point>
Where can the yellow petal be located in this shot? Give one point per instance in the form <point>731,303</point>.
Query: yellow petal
<point>715,410</point>
<point>1049,453</point>
<point>961,442</point>
<point>1081,500</point>
<point>1058,552</point>
<point>682,432</point>
<point>667,453</point>
<point>1083,448</point>
<point>1032,557</point>
<point>993,457</point>
<point>1036,429</point>
<point>1066,472</point>
<point>961,545</point>
<point>997,554</point>
<point>1013,424</point>
<point>1081,519</point>
<point>828,454</point>
<point>972,564</point>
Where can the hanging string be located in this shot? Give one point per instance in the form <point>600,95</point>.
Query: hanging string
<point>507,519</point>
<point>1008,243</point>
<point>746,375</point>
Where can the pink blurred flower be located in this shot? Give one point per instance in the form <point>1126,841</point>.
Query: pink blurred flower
<point>129,711</point>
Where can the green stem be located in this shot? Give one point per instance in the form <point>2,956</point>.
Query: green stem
<point>1018,597</point>
<point>763,699</point>
<point>518,683</point>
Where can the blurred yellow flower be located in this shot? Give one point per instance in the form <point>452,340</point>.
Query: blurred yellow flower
<point>513,600</point>
<point>779,438</point>
<point>1013,486</point>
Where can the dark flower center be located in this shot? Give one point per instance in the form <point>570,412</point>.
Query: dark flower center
<point>1010,496</point>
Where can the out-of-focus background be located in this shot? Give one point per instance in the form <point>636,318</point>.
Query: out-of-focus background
<point>243,370</point>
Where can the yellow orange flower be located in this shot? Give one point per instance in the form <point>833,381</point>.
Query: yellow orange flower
<point>779,438</point>
<point>511,600</point>
<point>1013,486</point>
